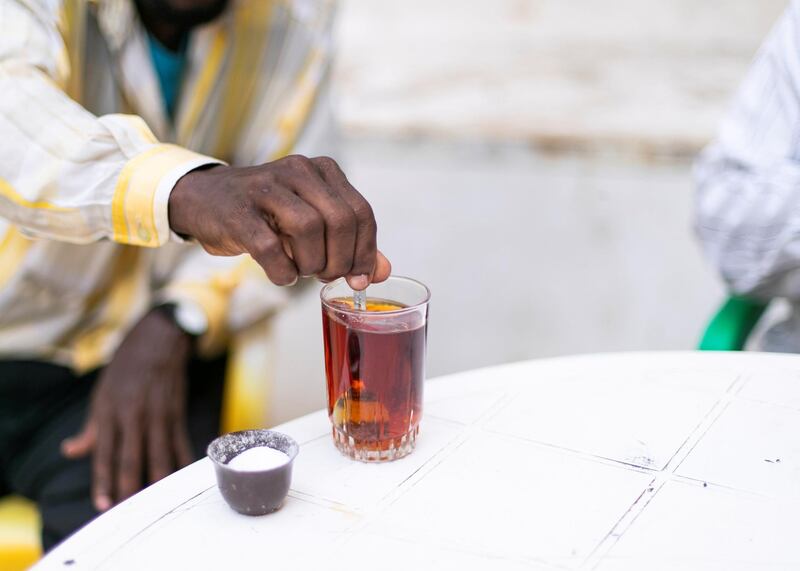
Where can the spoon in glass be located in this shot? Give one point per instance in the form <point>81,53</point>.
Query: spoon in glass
<point>360,300</point>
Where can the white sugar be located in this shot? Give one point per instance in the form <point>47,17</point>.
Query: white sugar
<point>258,458</point>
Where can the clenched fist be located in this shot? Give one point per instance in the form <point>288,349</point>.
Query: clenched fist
<point>295,216</point>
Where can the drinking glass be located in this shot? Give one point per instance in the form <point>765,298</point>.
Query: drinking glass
<point>375,367</point>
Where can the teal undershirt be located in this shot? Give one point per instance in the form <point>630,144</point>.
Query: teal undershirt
<point>169,68</point>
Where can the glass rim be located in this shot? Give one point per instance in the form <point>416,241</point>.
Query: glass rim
<point>347,310</point>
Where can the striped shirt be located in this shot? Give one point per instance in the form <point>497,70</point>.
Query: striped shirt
<point>748,180</point>
<point>88,157</point>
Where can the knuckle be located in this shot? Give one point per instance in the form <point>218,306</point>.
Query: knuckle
<point>314,269</point>
<point>259,190</point>
<point>266,247</point>
<point>364,213</point>
<point>297,162</point>
<point>343,221</point>
<point>254,194</point>
<point>326,163</point>
<point>266,180</point>
<point>310,224</point>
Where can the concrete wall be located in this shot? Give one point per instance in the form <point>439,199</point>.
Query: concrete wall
<point>648,74</point>
<point>530,161</point>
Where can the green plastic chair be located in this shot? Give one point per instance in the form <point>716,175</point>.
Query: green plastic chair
<point>732,324</point>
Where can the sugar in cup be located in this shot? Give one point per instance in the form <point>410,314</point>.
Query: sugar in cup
<point>253,469</point>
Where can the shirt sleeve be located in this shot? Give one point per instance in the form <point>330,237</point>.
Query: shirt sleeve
<point>66,174</point>
<point>748,180</point>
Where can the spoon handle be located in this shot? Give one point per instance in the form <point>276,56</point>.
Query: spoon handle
<point>360,300</point>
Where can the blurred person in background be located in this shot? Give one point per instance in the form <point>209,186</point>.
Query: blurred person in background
<point>748,196</point>
<point>115,119</point>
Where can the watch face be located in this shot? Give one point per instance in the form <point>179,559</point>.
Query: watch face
<point>191,319</point>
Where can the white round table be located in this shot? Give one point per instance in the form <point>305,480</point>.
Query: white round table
<point>618,461</point>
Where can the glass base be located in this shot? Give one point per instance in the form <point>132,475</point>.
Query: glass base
<point>382,451</point>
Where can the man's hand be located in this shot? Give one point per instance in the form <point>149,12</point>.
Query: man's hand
<point>295,217</point>
<point>137,419</point>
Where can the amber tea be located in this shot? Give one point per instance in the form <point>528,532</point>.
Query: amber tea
<point>375,368</point>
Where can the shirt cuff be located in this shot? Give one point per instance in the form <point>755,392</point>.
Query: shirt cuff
<point>139,208</point>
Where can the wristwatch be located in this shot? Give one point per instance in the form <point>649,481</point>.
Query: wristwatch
<point>188,316</point>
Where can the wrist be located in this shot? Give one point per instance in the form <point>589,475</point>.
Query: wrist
<point>169,331</point>
<point>188,316</point>
<point>179,205</point>
<point>183,206</point>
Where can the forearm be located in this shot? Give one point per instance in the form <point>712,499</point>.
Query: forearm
<point>66,174</point>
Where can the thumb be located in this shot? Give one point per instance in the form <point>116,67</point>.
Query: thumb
<point>383,268</point>
<point>82,443</point>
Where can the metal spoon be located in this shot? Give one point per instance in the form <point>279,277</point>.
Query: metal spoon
<point>360,300</point>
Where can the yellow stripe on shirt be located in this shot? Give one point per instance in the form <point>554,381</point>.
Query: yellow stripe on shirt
<point>142,128</point>
<point>291,123</point>
<point>251,33</point>
<point>119,216</point>
<point>8,192</point>
<point>13,248</point>
<point>74,35</point>
<point>202,89</point>
<point>124,300</point>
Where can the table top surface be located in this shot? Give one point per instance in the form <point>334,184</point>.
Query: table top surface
<point>617,461</point>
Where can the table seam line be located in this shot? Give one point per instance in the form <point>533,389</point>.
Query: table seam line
<point>151,524</point>
<point>663,476</point>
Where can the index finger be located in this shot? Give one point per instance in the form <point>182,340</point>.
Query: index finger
<point>102,466</point>
<point>159,451</point>
<point>129,463</point>
<point>366,247</point>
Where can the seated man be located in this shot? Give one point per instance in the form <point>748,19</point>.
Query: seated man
<point>107,297</point>
<point>748,199</point>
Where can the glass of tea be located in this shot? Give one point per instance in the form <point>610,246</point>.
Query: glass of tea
<point>375,366</point>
